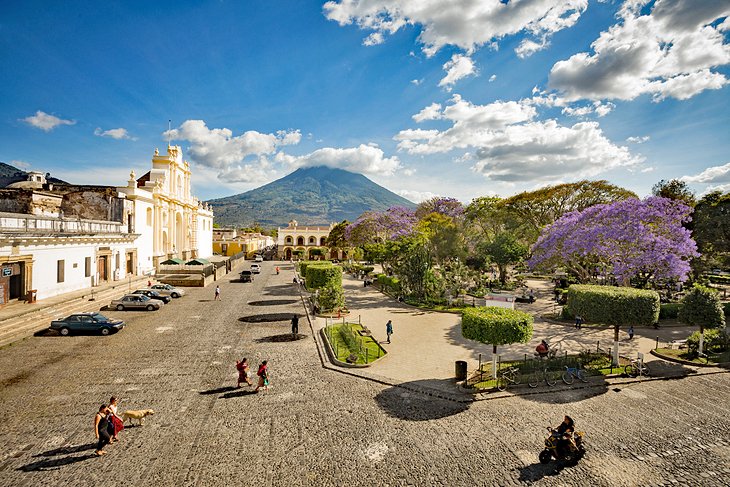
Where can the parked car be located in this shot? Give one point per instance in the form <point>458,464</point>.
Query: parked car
<point>151,293</point>
<point>136,301</point>
<point>246,276</point>
<point>86,322</point>
<point>258,258</point>
<point>168,290</point>
<point>255,269</point>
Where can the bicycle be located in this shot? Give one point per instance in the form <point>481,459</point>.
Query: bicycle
<point>572,372</point>
<point>636,368</point>
<point>508,376</point>
<point>550,377</point>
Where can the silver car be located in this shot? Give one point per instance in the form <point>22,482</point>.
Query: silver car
<point>168,290</point>
<point>136,301</point>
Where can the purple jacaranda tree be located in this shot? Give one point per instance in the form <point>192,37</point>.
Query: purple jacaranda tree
<point>445,206</point>
<point>380,227</point>
<point>625,239</point>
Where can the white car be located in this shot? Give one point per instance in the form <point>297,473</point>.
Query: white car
<point>168,290</point>
<point>255,269</point>
<point>258,258</point>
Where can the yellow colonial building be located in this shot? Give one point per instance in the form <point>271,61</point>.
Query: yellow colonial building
<point>294,239</point>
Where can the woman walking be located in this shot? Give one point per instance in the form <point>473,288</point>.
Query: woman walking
<point>116,423</point>
<point>101,429</point>
<point>263,374</point>
<point>243,372</point>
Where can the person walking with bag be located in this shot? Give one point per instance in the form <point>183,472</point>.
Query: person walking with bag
<point>243,373</point>
<point>115,421</point>
<point>263,374</point>
<point>101,430</point>
<point>389,329</point>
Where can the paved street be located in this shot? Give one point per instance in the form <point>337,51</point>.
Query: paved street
<point>317,426</point>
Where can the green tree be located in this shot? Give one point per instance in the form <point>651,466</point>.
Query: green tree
<point>412,266</point>
<point>711,231</point>
<point>537,209</point>
<point>336,238</point>
<point>505,250</point>
<point>496,326</point>
<point>702,307</point>
<point>442,235</point>
<point>674,189</point>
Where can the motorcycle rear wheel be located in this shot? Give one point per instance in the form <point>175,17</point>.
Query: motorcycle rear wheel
<point>545,456</point>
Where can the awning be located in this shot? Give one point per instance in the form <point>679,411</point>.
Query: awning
<point>198,262</point>
<point>173,262</point>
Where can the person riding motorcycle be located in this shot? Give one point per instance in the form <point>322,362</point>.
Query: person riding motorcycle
<point>564,434</point>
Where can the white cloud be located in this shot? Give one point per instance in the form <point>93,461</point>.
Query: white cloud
<point>638,140</point>
<point>599,108</point>
<point>711,175</point>
<point>417,81</point>
<point>20,164</point>
<point>431,112</point>
<point>458,67</point>
<point>366,159</point>
<point>511,146</point>
<point>467,24</point>
<point>669,52</point>
<point>416,196</point>
<point>44,121</point>
<point>492,78</point>
<point>220,149</point>
<point>118,134</point>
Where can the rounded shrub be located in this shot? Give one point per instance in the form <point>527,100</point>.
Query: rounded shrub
<point>323,275</point>
<point>331,298</point>
<point>613,305</point>
<point>496,326</point>
<point>669,311</point>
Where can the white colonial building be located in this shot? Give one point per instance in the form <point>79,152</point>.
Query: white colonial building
<point>60,238</point>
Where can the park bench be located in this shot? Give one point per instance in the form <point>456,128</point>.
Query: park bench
<point>677,344</point>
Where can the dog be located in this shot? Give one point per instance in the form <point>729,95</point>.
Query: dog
<point>138,415</point>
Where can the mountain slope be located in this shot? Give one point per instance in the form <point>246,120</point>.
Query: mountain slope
<point>11,174</point>
<point>311,196</point>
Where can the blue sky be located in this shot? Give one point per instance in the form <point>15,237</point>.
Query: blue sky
<point>452,98</point>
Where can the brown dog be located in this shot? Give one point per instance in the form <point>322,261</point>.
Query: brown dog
<point>138,415</point>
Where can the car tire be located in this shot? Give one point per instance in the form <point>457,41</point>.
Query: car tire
<point>105,331</point>
<point>120,307</point>
<point>175,295</point>
<point>150,307</point>
<point>64,331</point>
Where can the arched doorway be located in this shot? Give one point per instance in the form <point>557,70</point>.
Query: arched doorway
<point>287,253</point>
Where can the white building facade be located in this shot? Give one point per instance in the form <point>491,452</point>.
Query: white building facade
<point>294,239</point>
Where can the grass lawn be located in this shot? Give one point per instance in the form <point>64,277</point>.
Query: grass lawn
<point>366,348</point>
<point>683,354</point>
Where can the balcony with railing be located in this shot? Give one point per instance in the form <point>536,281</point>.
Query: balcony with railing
<point>22,224</point>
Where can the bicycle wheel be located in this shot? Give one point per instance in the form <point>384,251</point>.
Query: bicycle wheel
<point>644,369</point>
<point>502,383</point>
<point>552,377</point>
<point>630,370</point>
<point>517,377</point>
<point>533,379</point>
<point>582,375</point>
<point>567,377</point>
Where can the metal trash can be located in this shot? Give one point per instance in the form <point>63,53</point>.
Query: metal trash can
<point>460,370</point>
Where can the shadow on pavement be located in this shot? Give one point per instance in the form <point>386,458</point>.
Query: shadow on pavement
<point>219,390</point>
<point>536,471</point>
<point>272,302</point>
<point>54,463</point>
<point>405,402</point>
<point>268,318</point>
<point>238,393</point>
<point>281,290</point>
<point>66,450</point>
<point>284,337</point>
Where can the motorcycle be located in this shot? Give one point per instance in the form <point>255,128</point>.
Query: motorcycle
<point>562,449</point>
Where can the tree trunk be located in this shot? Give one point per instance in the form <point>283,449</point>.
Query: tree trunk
<point>702,340</point>
<point>615,345</point>
<point>502,273</point>
<point>494,350</point>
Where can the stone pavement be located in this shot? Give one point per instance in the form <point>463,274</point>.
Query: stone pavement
<point>425,344</point>
<point>315,426</point>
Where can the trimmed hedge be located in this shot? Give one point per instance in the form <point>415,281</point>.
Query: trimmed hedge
<point>306,263</point>
<point>669,311</point>
<point>614,305</point>
<point>718,279</point>
<point>331,298</point>
<point>387,283</point>
<point>320,276</point>
<point>497,326</point>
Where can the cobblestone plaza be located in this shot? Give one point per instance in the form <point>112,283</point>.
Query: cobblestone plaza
<point>318,426</point>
